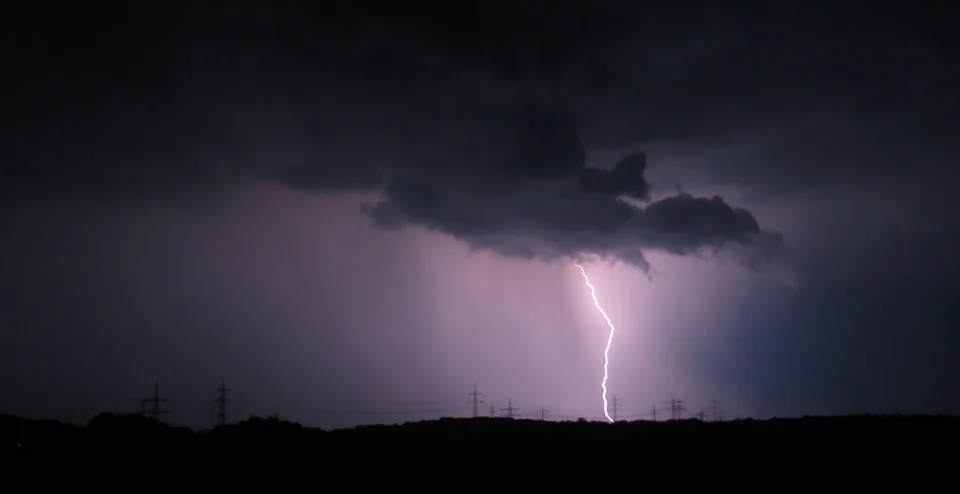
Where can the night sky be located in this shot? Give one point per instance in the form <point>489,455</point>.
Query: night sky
<point>353,211</point>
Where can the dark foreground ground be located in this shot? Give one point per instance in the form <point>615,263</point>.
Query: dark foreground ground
<point>494,448</point>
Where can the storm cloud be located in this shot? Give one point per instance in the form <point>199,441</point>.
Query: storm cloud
<point>332,207</point>
<point>481,141</point>
<point>551,207</point>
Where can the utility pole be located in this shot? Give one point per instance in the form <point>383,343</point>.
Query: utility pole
<point>511,411</point>
<point>220,404</point>
<point>676,408</point>
<point>614,407</point>
<point>475,400</point>
<point>543,413</point>
<point>154,410</point>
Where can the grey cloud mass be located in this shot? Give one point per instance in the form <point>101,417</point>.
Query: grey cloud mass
<point>479,137</point>
<point>564,210</point>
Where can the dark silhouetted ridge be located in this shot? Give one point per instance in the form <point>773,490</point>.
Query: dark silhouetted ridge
<point>506,446</point>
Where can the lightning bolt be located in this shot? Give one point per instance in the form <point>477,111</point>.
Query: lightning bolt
<point>606,350</point>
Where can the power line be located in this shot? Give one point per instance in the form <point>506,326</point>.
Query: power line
<point>475,400</point>
<point>676,408</point>
<point>511,410</point>
<point>717,411</point>
<point>384,412</point>
<point>220,404</point>
<point>151,406</point>
<point>413,403</point>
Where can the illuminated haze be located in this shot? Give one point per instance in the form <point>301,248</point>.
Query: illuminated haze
<point>354,221</point>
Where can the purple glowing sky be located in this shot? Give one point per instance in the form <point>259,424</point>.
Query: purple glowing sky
<point>209,214</point>
<point>310,310</point>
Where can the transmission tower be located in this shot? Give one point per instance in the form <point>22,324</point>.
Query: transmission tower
<point>475,400</point>
<point>713,409</point>
<point>220,404</point>
<point>653,413</point>
<point>151,406</point>
<point>701,415</point>
<point>676,408</point>
<point>543,413</point>
<point>510,410</point>
<point>493,411</point>
<point>614,407</point>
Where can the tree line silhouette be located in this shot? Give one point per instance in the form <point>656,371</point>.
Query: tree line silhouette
<point>272,443</point>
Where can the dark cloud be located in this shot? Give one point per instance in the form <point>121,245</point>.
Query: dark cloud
<point>543,145</point>
<point>553,208</point>
<point>477,136</point>
<point>321,97</point>
<point>627,178</point>
<point>515,127</point>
